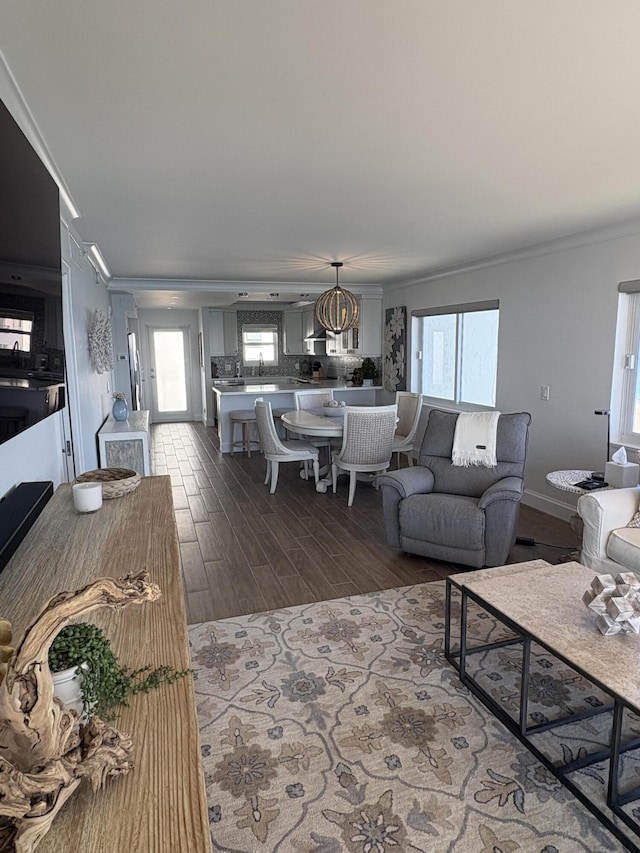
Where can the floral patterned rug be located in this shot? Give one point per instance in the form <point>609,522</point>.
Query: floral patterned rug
<point>339,726</point>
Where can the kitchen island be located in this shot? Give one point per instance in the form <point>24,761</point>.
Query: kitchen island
<point>279,391</point>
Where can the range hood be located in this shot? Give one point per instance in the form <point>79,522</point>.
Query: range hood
<point>319,334</point>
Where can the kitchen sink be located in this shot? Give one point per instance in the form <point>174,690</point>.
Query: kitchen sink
<point>229,382</point>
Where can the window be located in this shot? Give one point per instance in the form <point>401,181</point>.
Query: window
<point>259,345</point>
<point>457,352</point>
<point>15,330</point>
<point>626,382</point>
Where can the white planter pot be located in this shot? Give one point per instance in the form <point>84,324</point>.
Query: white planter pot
<point>367,381</point>
<point>67,688</point>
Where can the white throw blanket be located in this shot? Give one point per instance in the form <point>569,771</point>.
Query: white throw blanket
<point>474,439</point>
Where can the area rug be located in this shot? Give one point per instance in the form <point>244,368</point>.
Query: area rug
<point>339,726</point>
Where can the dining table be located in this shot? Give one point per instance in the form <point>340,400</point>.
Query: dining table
<point>319,423</point>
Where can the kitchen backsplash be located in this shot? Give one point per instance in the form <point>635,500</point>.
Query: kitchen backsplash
<point>289,365</point>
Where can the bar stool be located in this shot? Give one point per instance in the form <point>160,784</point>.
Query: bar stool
<point>245,418</point>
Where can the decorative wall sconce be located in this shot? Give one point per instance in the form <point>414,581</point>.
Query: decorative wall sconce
<point>97,261</point>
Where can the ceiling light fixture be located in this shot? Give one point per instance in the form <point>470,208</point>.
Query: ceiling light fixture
<point>337,309</point>
<point>96,259</point>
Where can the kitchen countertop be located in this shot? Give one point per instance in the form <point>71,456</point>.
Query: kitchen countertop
<point>262,385</point>
<point>29,384</point>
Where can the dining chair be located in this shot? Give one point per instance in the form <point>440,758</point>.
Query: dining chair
<point>409,411</point>
<point>276,451</point>
<point>315,399</point>
<point>367,442</point>
<point>312,399</point>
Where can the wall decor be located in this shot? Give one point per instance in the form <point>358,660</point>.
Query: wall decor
<point>394,376</point>
<point>101,342</point>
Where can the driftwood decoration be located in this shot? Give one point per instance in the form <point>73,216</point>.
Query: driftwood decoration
<point>45,751</point>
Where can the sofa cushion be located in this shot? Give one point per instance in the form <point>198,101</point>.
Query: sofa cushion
<point>443,520</point>
<point>623,546</point>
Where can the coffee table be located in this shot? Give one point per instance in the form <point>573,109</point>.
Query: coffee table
<point>537,603</point>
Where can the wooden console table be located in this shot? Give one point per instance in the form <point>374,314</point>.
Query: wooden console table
<point>160,806</point>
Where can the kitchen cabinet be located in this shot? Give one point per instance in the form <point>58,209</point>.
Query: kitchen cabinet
<point>223,332</point>
<point>308,328</point>
<point>293,343</point>
<point>370,342</point>
<point>366,338</point>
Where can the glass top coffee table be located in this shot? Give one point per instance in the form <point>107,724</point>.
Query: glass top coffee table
<point>507,631</point>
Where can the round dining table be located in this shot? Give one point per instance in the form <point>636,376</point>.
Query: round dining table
<point>311,422</point>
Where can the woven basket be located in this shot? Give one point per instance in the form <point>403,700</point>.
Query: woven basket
<point>116,482</point>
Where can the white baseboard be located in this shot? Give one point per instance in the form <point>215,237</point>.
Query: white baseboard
<point>552,506</point>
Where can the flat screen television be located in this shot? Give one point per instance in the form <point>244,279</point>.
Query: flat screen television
<point>31,334</point>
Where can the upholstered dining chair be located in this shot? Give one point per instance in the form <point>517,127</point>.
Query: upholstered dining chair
<point>462,515</point>
<point>367,441</point>
<point>409,411</point>
<point>276,451</point>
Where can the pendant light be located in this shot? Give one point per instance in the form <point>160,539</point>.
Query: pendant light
<point>337,309</point>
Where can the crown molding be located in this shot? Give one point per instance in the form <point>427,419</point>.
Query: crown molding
<point>215,286</point>
<point>601,234</point>
<point>16,104</point>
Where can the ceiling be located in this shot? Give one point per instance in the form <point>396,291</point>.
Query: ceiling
<point>251,143</point>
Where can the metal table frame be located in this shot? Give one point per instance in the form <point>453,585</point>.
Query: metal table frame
<point>615,799</point>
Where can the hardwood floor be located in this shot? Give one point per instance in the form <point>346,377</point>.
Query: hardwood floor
<point>245,551</point>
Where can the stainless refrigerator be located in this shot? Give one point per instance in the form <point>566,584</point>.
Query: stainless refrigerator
<point>134,370</point>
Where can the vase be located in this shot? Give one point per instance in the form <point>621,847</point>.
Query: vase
<point>67,686</point>
<point>120,410</point>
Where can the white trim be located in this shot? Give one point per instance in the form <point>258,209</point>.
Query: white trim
<point>548,505</point>
<point>285,288</point>
<point>15,102</point>
<point>601,234</point>
<point>71,370</point>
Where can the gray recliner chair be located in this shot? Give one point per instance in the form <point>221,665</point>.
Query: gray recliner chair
<point>457,514</point>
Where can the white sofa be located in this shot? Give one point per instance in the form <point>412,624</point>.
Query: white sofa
<point>608,545</point>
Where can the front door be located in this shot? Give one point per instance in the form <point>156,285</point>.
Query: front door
<point>169,373</point>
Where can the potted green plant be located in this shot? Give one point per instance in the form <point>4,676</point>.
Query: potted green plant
<point>87,675</point>
<point>368,371</point>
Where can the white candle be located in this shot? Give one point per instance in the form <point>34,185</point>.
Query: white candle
<point>87,497</point>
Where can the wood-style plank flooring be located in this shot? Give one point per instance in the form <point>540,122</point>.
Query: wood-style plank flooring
<point>245,551</point>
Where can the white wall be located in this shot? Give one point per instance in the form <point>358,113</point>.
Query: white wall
<point>557,327</point>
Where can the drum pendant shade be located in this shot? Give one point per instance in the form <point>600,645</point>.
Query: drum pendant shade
<point>337,309</point>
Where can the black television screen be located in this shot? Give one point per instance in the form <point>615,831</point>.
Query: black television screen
<point>31,335</point>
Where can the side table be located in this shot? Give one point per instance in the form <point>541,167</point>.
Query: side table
<point>125,444</point>
<point>566,480</point>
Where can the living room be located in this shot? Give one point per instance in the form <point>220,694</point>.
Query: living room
<point>558,300</point>
<point>542,215</point>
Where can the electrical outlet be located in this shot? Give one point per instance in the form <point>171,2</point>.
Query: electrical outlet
<point>228,368</point>
<point>544,392</point>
